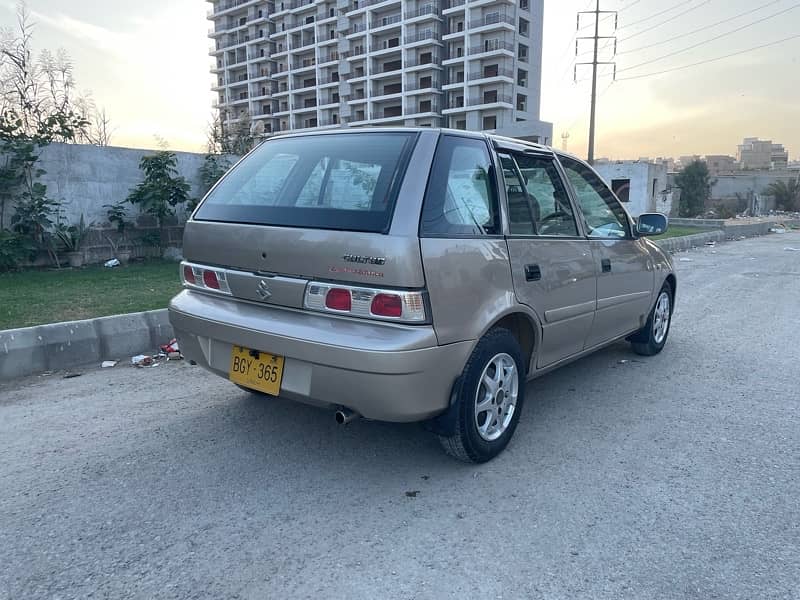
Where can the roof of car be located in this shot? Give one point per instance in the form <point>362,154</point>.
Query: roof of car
<point>501,140</point>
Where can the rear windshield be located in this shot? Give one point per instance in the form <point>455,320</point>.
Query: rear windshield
<point>343,181</point>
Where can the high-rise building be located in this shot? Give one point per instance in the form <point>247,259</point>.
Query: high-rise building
<point>466,64</point>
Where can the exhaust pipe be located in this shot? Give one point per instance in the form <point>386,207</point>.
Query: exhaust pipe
<point>345,416</point>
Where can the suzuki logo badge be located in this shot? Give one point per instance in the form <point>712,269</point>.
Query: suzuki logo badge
<point>263,290</point>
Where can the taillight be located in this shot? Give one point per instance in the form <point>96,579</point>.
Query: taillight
<point>387,305</point>
<point>205,278</point>
<point>339,299</point>
<point>210,280</point>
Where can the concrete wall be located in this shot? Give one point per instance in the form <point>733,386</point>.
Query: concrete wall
<point>747,183</point>
<point>641,176</point>
<point>84,178</point>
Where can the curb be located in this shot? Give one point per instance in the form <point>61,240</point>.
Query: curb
<point>60,346</point>
<point>687,242</point>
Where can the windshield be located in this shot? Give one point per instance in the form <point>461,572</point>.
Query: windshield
<point>345,181</point>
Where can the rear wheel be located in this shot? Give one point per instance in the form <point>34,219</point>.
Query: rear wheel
<point>488,400</point>
<point>652,337</point>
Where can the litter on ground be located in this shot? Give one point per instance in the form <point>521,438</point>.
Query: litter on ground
<point>112,263</point>
<point>109,364</point>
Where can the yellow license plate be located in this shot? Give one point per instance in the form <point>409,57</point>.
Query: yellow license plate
<point>257,370</point>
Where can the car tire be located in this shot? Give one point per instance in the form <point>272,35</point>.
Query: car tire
<point>650,340</point>
<point>493,380</point>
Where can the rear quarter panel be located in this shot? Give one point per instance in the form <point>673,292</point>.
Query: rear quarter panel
<point>469,282</point>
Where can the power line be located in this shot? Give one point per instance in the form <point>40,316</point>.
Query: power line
<point>687,34</point>
<point>710,60</point>
<point>658,14</point>
<point>713,39</point>
<point>624,8</point>
<point>664,22</point>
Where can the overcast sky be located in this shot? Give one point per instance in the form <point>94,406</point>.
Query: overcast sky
<point>147,62</point>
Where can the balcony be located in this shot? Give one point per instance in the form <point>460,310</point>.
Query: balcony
<point>428,34</point>
<point>491,73</point>
<point>492,19</point>
<point>423,11</point>
<point>424,61</point>
<point>303,44</point>
<point>492,46</point>
<point>324,17</point>
<point>330,57</point>
<point>300,5</point>
<point>393,20</point>
<point>354,53</point>
<point>422,109</point>
<point>453,6</point>
<point>304,64</point>
<point>416,85</point>
<point>490,98</point>
<point>356,29</point>
<point>223,7</point>
<point>362,4</point>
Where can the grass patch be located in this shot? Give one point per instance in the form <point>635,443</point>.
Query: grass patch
<point>38,297</point>
<point>679,231</point>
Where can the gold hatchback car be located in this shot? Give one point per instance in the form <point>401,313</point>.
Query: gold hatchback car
<point>415,275</point>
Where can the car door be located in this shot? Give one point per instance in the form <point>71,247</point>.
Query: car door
<point>625,272</point>
<point>551,262</point>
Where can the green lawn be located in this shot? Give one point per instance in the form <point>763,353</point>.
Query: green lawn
<point>38,297</point>
<point>678,231</point>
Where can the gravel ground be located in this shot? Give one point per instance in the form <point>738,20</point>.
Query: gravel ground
<point>670,477</point>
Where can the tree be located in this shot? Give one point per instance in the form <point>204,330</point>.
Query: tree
<point>786,194</point>
<point>695,184</point>
<point>163,188</point>
<point>233,138</point>
<point>39,94</point>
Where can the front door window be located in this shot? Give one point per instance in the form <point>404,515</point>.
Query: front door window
<point>602,213</point>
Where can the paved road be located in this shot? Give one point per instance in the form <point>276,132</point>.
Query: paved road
<point>673,477</point>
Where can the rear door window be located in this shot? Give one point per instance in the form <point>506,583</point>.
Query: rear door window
<point>338,181</point>
<point>461,197</point>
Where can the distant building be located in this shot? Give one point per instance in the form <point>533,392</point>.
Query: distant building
<point>755,154</point>
<point>640,185</point>
<point>720,163</point>
<point>306,64</point>
<point>685,161</point>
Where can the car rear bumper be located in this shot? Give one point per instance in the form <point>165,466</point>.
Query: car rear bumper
<point>382,371</point>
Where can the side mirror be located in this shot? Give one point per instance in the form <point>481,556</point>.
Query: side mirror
<point>651,224</point>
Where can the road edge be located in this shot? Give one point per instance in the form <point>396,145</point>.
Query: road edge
<point>61,346</point>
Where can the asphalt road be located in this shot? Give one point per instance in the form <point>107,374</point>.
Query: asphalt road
<point>671,477</point>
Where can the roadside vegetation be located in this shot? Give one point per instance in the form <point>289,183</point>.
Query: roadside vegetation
<point>37,297</point>
<point>678,231</point>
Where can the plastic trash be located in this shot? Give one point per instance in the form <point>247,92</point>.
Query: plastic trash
<point>109,364</point>
<point>685,260</point>
<point>790,249</point>
<point>142,360</point>
<point>110,264</point>
<point>172,346</point>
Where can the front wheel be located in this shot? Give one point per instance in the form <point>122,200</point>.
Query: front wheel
<point>488,400</point>
<point>651,339</point>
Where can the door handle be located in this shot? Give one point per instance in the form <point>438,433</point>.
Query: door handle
<point>606,264</point>
<point>533,273</point>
